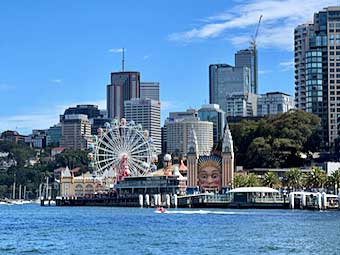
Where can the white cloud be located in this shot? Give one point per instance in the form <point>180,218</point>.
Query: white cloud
<point>117,50</point>
<point>286,66</point>
<point>280,17</point>
<point>264,71</point>
<point>24,123</point>
<point>57,81</point>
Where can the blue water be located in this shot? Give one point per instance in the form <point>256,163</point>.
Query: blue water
<point>31,229</point>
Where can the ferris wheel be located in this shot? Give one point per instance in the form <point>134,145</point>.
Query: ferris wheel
<point>125,148</point>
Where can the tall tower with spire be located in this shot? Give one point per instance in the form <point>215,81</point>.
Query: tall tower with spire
<point>227,159</point>
<point>192,158</point>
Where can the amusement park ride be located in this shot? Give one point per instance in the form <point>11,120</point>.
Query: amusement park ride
<point>124,148</point>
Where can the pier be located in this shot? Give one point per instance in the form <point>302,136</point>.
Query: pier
<point>146,200</point>
<point>313,200</point>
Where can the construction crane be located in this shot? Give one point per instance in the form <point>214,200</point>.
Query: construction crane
<point>253,48</point>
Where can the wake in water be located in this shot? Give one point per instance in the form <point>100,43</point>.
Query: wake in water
<point>197,212</point>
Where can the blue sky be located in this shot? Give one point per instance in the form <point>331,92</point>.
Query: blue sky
<point>55,54</point>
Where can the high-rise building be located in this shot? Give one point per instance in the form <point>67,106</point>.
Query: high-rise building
<point>241,105</point>
<point>317,70</point>
<point>302,34</point>
<point>149,90</point>
<point>124,86</point>
<point>54,135</point>
<point>146,112</point>
<point>90,110</point>
<point>226,80</point>
<point>37,139</point>
<point>178,131</point>
<point>190,114</point>
<point>248,58</point>
<point>213,113</point>
<point>273,103</point>
<point>96,117</point>
<point>75,132</point>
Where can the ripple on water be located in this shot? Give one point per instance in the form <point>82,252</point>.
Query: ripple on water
<point>31,229</point>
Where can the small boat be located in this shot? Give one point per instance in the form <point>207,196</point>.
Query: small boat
<point>160,210</point>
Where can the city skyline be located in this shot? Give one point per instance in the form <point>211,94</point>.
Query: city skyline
<point>61,55</point>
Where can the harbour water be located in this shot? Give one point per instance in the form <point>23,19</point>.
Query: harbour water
<point>31,229</point>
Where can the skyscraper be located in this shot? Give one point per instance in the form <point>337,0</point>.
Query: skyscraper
<point>302,34</point>
<point>317,70</point>
<point>75,132</point>
<point>146,112</point>
<point>95,116</point>
<point>248,59</point>
<point>213,113</point>
<point>124,86</point>
<point>225,80</point>
<point>149,90</point>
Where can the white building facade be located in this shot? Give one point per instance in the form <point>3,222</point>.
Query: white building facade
<point>146,112</point>
<point>274,103</point>
<point>178,133</point>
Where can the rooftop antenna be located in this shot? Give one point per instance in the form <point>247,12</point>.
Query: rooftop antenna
<point>123,59</point>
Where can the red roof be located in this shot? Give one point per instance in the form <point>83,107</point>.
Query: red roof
<point>58,149</point>
<point>75,170</point>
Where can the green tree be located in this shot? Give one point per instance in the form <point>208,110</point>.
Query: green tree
<point>3,191</point>
<point>276,141</point>
<point>23,173</point>
<point>316,178</point>
<point>260,153</point>
<point>240,180</point>
<point>20,151</point>
<point>270,180</point>
<point>243,134</point>
<point>73,159</point>
<point>336,180</point>
<point>252,180</point>
<point>294,178</point>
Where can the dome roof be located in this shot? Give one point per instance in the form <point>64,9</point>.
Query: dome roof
<point>167,157</point>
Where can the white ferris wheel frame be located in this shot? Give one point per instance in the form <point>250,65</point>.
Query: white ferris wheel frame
<point>118,139</point>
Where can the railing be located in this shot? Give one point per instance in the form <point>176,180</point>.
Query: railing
<point>228,198</point>
<point>217,198</point>
<point>268,200</point>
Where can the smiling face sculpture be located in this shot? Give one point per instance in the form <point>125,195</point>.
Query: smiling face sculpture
<point>210,173</point>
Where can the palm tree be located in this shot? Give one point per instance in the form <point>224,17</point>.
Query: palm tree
<point>294,178</point>
<point>316,178</point>
<point>336,180</point>
<point>252,180</point>
<point>240,180</point>
<point>330,183</point>
<point>270,179</point>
